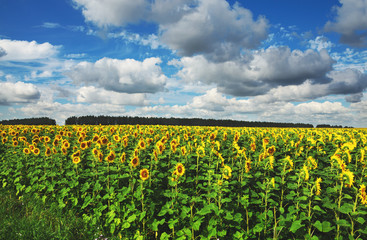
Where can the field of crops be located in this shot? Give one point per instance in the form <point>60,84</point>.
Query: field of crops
<point>173,182</point>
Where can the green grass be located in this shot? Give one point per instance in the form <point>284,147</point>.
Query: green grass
<point>29,218</point>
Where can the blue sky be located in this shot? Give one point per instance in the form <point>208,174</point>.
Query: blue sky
<point>281,61</point>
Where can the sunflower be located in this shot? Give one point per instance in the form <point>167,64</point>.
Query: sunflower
<point>266,141</point>
<point>95,138</point>
<point>180,169</point>
<point>100,157</point>
<point>253,146</point>
<point>36,151</point>
<point>116,138</point>
<point>125,141</point>
<point>65,144</point>
<point>135,161</point>
<point>48,152</point>
<point>47,139</point>
<point>247,165</point>
<point>110,157</point>
<point>95,151</point>
<point>160,147</point>
<point>123,157</point>
<point>227,172</point>
<point>76,160</point>
<point>318,187</point>
<point>305,173</point>
<point>144,174</point>
<point>362,194</point>
<point>15,143</point>
<point>64,150</point>
<point>200,151</point>
<point>142,144</point>
<point>312,161</point>
<point>271,150</point>
<point>155,154</point>
<point>183,150</point>
<point>349,177</point>
<point>26,151</point>
<point>83,145</point>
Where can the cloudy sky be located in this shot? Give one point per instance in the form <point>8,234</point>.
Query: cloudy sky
<point>255,60</point>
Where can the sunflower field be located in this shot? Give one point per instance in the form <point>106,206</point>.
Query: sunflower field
<point>179,182</point>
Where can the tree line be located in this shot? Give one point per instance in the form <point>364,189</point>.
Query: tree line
<point>29,121</point>
<point>127,120</point>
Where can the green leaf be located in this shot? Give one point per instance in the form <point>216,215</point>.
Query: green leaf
<point>205,210</point>
<point>296,225</point>
<point>258,227</point>
<point>361,220</point>
<point>164,236</point>
<point>156,223</point>
<point>131,218</point>
<point>142,215</point>
<point>346,208</point>
<point>343,223</point>
<point>196,225</point>
<point>125,225</point>
<point>325,226</point>
<point>317,208</point>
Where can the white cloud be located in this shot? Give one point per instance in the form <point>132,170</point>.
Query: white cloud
<point>26,51</point>
<point>151,40</point>
<point>212,27</point>
<point>257,73</point>
<point>101,96</point>
<point>350,22</point>
<point>18,92</point>
<point>215,29</point>
<point>128,75</point>
<point>112,12</point>
<point>319,43</point>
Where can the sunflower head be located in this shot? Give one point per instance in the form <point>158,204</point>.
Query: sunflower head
<point>348,177</point>
<point>48,151</point>
<point>76,160</point>
<point>83,145</point>
<point>110,157</point>
<point>180,169</point>
<point>26,151</point>
<point>227,172</point>
<point>318,186</point>
<point>36,151</point>
<point>144,174</point>
<point>135,161</point>
<point>142,144</point>
<point>123,157</point>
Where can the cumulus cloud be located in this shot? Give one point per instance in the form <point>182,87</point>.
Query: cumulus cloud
<point>215,29</point>
<point>350,22</point>
<point>18,92</point>
<point>259,72</point>
<point>349,82</point>
<point>94,95</point>
<point>168,11</point>
<point>210,27</point>
<point>111,12</point>
<point>125,76</point>
<point>25,51</point>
